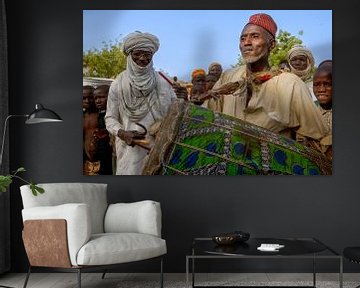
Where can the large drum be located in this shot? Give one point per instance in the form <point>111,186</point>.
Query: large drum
<point>193,140</point>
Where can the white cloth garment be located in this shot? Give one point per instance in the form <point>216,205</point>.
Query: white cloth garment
<point>126,106</point>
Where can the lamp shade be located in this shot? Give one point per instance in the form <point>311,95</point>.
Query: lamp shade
<point>42,115</point>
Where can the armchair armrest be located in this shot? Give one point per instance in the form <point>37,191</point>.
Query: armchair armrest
<point>138,217</point>
<point>77,218</point>
<point>52,250</point>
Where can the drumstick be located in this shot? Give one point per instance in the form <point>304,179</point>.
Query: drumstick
<point>176,86</point>
<point>166,78</point>
<point>142,143</point>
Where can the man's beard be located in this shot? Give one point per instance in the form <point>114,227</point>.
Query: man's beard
<point>253,59</point>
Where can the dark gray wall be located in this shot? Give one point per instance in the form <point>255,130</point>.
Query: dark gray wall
<point>45,50</point>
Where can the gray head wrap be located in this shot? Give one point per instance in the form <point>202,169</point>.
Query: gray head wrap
<point>214,64</point>
<point>138,84</point>
<point>140,41</point>
<point>298,50</point>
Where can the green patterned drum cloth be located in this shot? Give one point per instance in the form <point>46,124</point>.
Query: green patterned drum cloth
<point>197,141</point>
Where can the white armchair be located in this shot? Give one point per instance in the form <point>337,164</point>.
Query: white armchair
<point>71,227</point>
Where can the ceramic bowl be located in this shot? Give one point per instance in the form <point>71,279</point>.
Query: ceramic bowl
<point>225,239</point>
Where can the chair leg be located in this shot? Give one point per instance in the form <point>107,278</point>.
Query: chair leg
<point>27,277</point>
<point>79,277</point>
<point>103,275</point>
<point>161,273</point>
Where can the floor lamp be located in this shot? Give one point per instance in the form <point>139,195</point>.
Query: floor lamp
<point>39,115</point>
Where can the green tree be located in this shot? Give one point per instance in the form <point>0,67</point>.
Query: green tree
<point>105,63</point>
<point>284,42</point>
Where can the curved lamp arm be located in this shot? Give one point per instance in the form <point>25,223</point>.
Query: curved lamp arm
<point>39,115</point>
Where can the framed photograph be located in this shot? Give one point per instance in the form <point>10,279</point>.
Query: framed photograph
<point>207,92</point>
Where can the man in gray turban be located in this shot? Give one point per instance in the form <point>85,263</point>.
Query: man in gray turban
<point>138,95</point>
<point>215,69</point>
<point>140,41</point>
<point>301,62</point>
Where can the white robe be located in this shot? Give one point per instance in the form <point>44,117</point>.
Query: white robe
<point>131,160</point>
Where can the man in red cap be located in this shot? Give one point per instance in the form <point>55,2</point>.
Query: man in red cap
<point>263,96</point>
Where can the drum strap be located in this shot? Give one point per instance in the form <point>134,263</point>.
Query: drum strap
<point>150,109</point>
<point>156,102</point>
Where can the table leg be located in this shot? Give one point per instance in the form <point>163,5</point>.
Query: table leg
<point>193,272</point>
<point>341,273</point>
<point>314,271</point>
<point>187,272</point>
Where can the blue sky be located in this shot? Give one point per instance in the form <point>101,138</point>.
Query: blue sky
<point>191,39</point>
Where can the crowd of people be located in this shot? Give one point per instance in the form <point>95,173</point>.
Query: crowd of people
<point>294,99</point>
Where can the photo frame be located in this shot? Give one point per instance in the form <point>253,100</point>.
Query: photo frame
<point>203,139</point>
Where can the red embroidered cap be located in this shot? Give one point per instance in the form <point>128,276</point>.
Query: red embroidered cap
<point>265,21</point>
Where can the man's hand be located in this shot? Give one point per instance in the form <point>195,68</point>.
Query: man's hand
<point>228,88</point>
<point>200,98</point>
<point>180,91</point>
<point>129,136</point>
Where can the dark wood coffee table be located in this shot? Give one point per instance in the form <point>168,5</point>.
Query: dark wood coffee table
<point>294,248</point>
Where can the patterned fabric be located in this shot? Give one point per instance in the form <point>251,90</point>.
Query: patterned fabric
<point>210,143</point>
<point>265,21</point>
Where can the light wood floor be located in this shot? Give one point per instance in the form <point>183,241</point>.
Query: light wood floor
<point>114,280</point>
